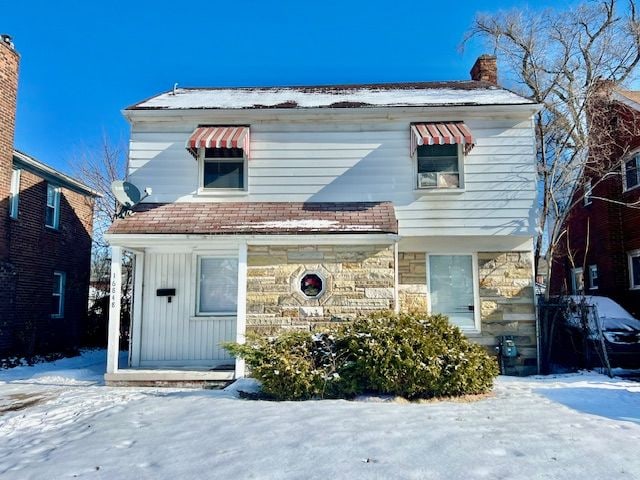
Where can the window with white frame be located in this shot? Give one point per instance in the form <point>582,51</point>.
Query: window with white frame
<point>52,212</point>
<point>631,172</point>
<point>577,281</point>
<point>593,277</point>
<point>217,288</point>
<point>634,269</point>
<point>439,166</point>
<point>223,169</point>
<point>14,193</point>
<point>453,289</point>
<point>57,296</point>
<point>588,192</point>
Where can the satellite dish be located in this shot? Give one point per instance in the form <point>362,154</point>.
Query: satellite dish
<point>127,195</point>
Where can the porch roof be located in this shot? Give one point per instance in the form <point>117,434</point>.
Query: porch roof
<point>258,218</point>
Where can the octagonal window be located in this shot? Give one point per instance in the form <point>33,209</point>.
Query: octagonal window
<point>311,285</point>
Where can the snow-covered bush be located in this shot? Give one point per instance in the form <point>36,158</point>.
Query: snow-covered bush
<point>295,365</point>
<point>414,356</point>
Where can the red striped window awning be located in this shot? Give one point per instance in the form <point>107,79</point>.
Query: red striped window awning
<point>441,133</point>
<point>219,137</point>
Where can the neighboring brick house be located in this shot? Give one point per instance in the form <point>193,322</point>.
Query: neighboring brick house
<point>605,223</point>
<point>293,207</point>
<point>45,241</point>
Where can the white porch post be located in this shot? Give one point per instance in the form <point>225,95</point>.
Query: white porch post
<point>396,279</point>
<point>136,319</point>
<point>241,322</point>
<point>115,289</point>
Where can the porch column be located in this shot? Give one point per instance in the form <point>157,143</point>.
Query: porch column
<point>136,319</point>
<point>115,289</point>
<point>241,319</point>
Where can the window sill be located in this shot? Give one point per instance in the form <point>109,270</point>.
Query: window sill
<point>53,229</point>
<point>626,190</point>
<point>221,193</point>
<point>438,191</point>
<point>225,316</point>
<point>471,332</point>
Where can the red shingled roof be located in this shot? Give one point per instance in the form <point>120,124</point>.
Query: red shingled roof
<point>259,218</point>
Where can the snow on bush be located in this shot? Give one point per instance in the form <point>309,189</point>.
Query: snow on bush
<point>410,355</point>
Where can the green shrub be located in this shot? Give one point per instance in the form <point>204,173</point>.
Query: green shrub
<point>414,356</point>
<point>295,365</point>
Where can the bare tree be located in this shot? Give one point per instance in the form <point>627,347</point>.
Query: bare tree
<point>98,168</point>
<point>568,61</point>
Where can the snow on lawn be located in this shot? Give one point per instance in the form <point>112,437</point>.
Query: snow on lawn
<point>58,421</point>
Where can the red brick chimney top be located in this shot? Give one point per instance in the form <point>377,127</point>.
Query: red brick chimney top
<point>485,69</point>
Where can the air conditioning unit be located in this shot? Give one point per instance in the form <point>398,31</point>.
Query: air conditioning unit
<point>438,180</point>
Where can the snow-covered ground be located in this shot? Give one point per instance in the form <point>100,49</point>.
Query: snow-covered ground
<point>57,420</point>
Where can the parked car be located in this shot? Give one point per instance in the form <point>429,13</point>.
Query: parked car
<point>601,317</point>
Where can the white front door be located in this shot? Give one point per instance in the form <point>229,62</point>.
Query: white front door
<point>451,280</point>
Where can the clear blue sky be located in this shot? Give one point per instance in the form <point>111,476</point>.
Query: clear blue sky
<point>83,61</point>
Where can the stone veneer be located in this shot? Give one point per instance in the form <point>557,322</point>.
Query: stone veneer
<point>506,300</point>
<point>358,279</point>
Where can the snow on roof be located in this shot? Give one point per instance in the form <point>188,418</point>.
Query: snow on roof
<point>337,96</point>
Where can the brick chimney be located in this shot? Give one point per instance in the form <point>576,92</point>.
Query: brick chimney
<point>9,60</point>
<point>485,69</point>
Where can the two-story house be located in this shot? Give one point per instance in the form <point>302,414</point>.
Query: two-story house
<point>46,222</point>
<point>601,253</point>
<point>289,207</point>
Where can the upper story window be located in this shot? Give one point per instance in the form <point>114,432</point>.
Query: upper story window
<point>223,169</point>
<point>631,173</point>
<point>14,193</point>
<point>222,153</point>
<point>440,148</point>
<point>439,166</point>
<point>52,212</point>
<point>588,192</point>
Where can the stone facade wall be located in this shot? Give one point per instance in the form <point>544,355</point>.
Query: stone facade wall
<point>358,279</point>
<point>508,306</point>
<point>506,301</point>
<point>412,281</point>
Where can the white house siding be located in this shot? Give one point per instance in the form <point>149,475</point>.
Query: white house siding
<point>349,161</point>
<point>170,335</point>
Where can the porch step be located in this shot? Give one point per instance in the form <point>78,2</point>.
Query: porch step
<point>170,378</point>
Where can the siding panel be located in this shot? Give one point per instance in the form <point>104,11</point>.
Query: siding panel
<point>328,161</point>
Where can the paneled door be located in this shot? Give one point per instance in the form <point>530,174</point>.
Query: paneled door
<point>451,280</point>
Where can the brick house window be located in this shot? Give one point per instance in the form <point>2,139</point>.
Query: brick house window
<point>577,281</point>
<point>631,173</point>
<point>57,297</point>
<point>14,193</point>
<point>217,286</point>
<point>52,212</point>
<point>223,169</point>
<point>439,166</point>
<point>634,269</point>
<point>593,277</point>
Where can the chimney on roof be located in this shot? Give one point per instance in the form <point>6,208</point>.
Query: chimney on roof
<point>9,60</point>
<point>485,69</point>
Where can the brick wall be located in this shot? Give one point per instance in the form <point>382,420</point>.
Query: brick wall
<point>36,252</point>
<point>358,279</point>
<point>8,94</point>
